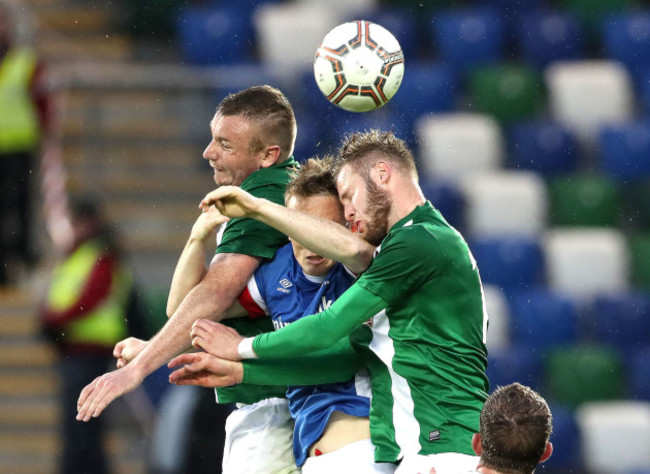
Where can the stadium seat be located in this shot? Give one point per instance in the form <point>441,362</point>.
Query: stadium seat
<point>468,37</point>
<point>310,140</point>
<point>426,88</point>
<point>456,145</point>
<point>626,38</point>
<point>343,8</point>
<point>639,246</point>
<point>615,436</point>
<point>585,200</point>
<point>592,13</point>
<point>498,335</point>
<point>622,319</point>
<point>566,442</point>
<point>542,146</point>
<point>289,33</point>
<point>514,364</point>
<point>509,263</point>
<point>586,262</point>
<point>447,198</point>
<point>638,373</point>
<point>645,92</point>
<point>625,150</point>
<point>636,197</point>
<point>508,92</point>
<point>542,319</point>
<point>215,35</point>
<point>548,36</point>
<point>507,203</point>
<point>380,119</point>
<point>584,95</point>
<point>578,374</point>
<point>402,24</point>
<point>242,76</point>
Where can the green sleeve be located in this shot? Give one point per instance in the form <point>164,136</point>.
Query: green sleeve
<point>248,393</point>
<point>336,364</point>
<point>320,331</point>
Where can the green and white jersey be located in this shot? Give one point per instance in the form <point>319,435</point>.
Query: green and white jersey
<point>418,318</point>
<point>425,348</point>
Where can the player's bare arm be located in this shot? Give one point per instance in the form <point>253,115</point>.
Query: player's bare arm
<point>321,236</point>
<point>224,281</point>
<point>201,368</point>
<point>190,268</point>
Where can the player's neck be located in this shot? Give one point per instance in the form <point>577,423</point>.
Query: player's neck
<point>405,198</point>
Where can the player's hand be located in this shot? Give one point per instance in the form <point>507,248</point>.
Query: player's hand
<point>201,368</point>
<point>215,338</point>
<point>125,351</point>
<point>231,201</point>
<point>97,395</point>
<point>207,223</point>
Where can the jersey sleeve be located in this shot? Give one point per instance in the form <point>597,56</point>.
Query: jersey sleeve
<point>336,364</point>
<point>403,263</point>
<point>250,237</point>
<point>320,331</point>
<point>252,299</point>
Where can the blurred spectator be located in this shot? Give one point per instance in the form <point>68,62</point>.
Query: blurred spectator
<point>25,119</point>
<point>84,315</point>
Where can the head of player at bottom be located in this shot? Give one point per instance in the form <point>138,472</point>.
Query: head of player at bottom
<point>515,427</point>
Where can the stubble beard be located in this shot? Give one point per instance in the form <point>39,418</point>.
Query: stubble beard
<point>378,205</point>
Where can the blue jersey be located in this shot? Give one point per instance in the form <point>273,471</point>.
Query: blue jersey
<point>281,290</point>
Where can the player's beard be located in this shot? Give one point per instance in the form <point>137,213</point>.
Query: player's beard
<point>378,205</point>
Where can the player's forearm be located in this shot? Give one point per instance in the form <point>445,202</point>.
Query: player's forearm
<point>189,271</point>
<point>338,364</point>
<point>320,331</point>
<point>322,236</point>
<point>174,336</point>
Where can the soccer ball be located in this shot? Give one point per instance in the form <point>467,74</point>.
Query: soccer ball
<point>359,66</point>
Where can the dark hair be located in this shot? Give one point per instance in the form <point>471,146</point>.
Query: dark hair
<point>357,150</point>
<point>315,177</point>
<point>516,424</point>
<point>268,109</point>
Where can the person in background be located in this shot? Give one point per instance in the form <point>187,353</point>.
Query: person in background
<point>84,315</point>
<point>25,121</point>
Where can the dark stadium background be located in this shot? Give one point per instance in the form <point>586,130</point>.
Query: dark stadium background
<point>531,125</point>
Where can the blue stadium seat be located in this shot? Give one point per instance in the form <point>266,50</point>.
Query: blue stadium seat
<point>467,37</point>
<point>546,147</point>
<point>215,35</point>
<point>426,88</point>
<point>622,319</point>
<point>566,442</point>
<point>447,198</point>
<point>311,139</point>
<point>645,92</point>
<point>546,36</point>
<point>542,319</point>
<point>626,38</point>
<point>625,148</point>
<point>401,24</point>
<point>511,263</point>
<point>638,373</point>
<point>381,119</point>
<point>515,363</point>
<point>241,76</point>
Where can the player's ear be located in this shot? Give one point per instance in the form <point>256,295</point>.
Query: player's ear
<point>476,444</point>
<point>547,452</point>
<point>384,171</point>
<point>271,155</point>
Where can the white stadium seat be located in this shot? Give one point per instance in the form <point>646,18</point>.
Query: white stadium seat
<point>498,336</point>
<point>585,95</point>
<point>615,436</point>
<point>586,262</point>
<point>458,144</point>
<point>505,203</point>
<point>289,33</point>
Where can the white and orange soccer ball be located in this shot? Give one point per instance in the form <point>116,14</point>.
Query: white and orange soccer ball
<point>359,66</point>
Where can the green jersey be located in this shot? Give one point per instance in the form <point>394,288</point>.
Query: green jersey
<point>423,342</point>
<point>250,237</point>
